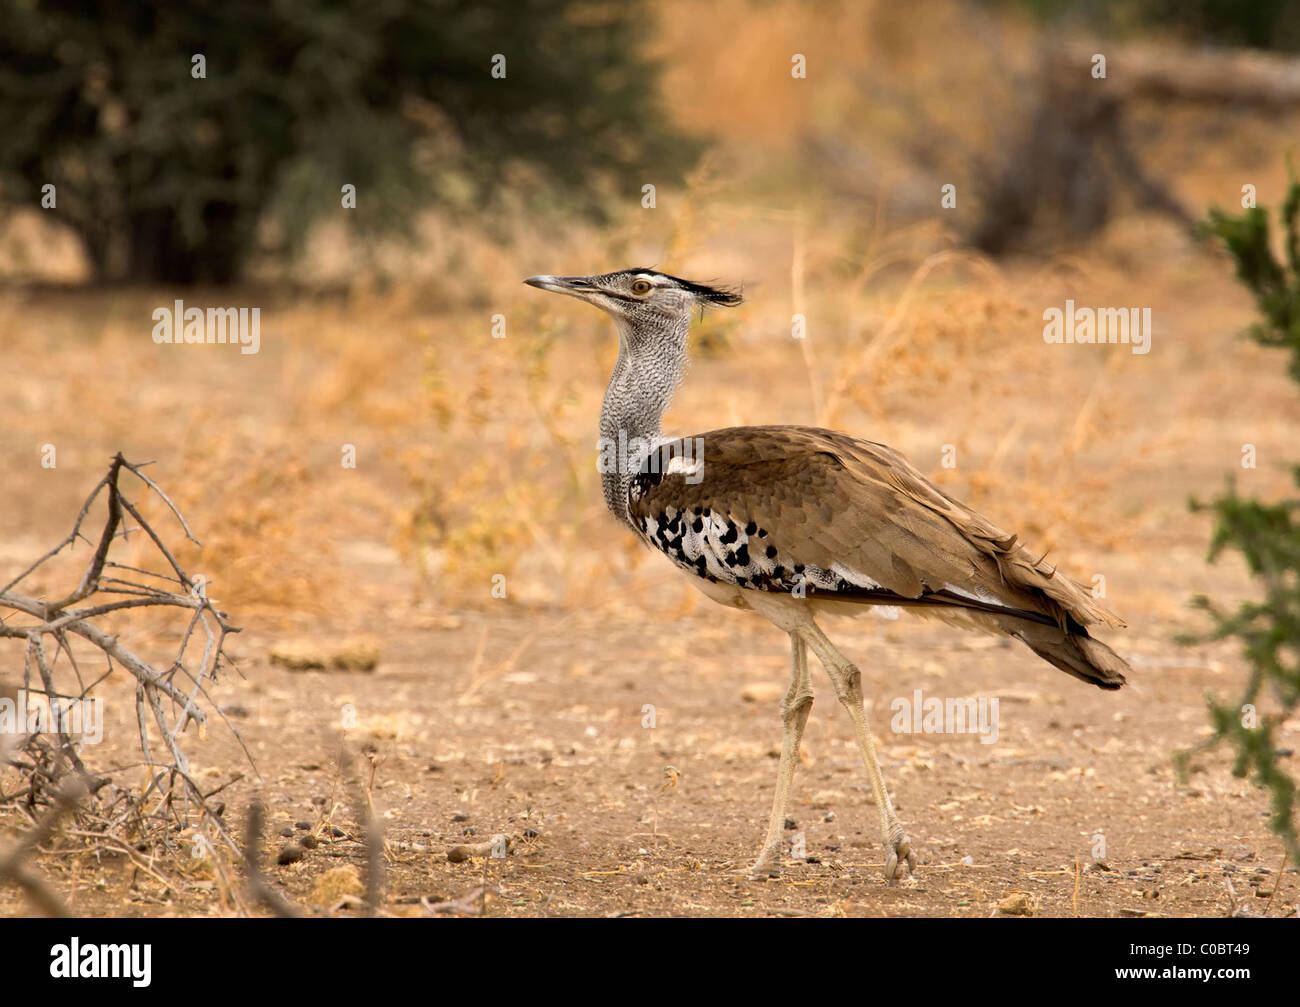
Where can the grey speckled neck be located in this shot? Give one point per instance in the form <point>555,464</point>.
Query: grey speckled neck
<point>645,376</point>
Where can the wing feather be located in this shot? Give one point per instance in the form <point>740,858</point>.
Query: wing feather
<point>819,501</point>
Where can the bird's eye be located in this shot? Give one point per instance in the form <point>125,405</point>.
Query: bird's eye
<point>641,287</point>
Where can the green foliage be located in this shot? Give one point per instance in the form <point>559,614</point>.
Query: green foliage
<point>170,178</point>
<point>1274,283</point>
<point>1266,535</point>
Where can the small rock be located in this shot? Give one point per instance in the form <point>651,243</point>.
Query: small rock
<point>459,854</point>
<point>1017,904</point>
<point>302,825</point>
<point>291,854</point>
<point>353,654</point>
<point>357,654</point>
<point>790,824</point>
<point>968,860</point>
<point>299,655</point>
<point>330,887</point>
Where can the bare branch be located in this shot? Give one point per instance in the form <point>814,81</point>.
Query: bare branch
<point>148,812</point>
<point>90,580</point>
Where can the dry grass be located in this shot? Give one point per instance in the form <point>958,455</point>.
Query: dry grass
<point>474,453</point>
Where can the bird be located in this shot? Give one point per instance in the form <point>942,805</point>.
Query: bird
<point>795,522</point>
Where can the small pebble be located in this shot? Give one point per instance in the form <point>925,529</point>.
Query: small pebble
<point>1017,904</point>
<point>291,854</point>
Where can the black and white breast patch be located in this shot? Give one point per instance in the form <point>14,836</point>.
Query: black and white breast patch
<point>726,550</point>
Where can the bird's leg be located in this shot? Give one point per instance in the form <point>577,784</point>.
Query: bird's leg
<point>794,715</point>
<point>848,688</point>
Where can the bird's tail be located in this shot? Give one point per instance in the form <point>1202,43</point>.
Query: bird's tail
<point>1072,650</point>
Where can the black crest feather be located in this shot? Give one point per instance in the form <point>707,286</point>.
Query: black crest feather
<point>713,294</point>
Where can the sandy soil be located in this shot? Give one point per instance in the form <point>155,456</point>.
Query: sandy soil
<point>523,717</point>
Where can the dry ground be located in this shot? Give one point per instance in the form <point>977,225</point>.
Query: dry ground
<point>491,716</point>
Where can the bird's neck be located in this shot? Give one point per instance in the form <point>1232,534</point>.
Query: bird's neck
<point>642,385</point>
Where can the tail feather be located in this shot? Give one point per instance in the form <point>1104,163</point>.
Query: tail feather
<point>1075,653</point>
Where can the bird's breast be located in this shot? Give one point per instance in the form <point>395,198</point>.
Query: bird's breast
<point>736,552</point>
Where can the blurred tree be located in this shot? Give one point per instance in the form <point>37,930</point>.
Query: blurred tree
<point>1259,24</point>
<point>167,176</point>
<point>1266,535</point>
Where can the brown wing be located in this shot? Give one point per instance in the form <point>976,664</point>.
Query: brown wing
<point>764,507</point>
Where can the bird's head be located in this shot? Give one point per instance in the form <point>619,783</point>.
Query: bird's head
<point>635,297</point>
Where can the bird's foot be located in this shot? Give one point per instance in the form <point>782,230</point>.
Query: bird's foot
<point>768,865</point>
<point>898,855</point>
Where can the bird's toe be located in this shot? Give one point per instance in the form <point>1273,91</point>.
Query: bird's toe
<point>764,869</point>
<point>900,861</point>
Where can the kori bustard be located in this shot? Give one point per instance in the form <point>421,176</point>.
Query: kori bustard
<point>792,522</point>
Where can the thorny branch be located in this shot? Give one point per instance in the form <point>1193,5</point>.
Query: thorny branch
<point>171,695</point>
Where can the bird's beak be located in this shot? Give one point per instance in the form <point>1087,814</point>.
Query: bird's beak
<point>575,286</point>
